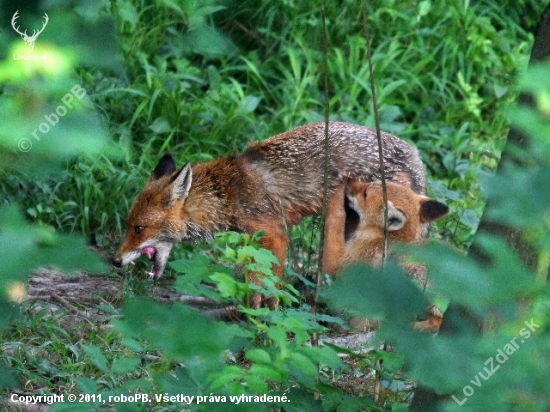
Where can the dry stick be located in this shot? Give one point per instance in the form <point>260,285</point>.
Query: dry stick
<point>67,305</point>
<point>314,335</point>
<point>378,133</point>
<point>382,171</point>
<point>326,164</point>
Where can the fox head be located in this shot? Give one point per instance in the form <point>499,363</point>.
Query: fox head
<point>157,217</point>
<point>407,211</point>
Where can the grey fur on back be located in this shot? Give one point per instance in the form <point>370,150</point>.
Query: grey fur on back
<point>292,163</point>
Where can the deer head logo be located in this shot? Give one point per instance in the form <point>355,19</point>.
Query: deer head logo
<point>28,39</point>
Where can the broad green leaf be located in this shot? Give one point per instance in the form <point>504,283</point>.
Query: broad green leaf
<point>125,365</point>
<point>96,357</point>
<point>258,356</point>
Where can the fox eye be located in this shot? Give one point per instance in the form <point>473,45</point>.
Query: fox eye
<point>138,229</point>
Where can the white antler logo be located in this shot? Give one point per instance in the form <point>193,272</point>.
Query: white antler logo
<point>29,39</point>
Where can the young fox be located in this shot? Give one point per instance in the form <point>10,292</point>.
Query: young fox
<point>407,213</point>
<point>277,181</point>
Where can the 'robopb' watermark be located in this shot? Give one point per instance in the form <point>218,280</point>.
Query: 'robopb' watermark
<point>501,357</point>
<point>52,119</point>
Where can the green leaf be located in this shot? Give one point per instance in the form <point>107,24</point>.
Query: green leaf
<point>468,217</point>
<point>160,125</point>
<point>86,385</point>
<point>255,379</point>
<point>424,7</point>
<point>144,385</point>
<point>357,404</point>
<point>207,10</point>
<point>96,357</point>
<point>324,355</point>
<point>70,407</point>
<point>303,368</point>
<point>6,378</point>
<point>128,12</point>
<point>227,375</point>
<point>207,41</point>
<point>230,253</point>
<point>189,379</point>
<point>263,258</point>
<point>278,335</point>
<point>249,104</point>
<point>132,344</point>
<point>441,192</point>
<point>376,293</point>
<point>180,332</point>
<point>260,313</point>
<point>226,284</point>
<point>32,212</point>
<point>258,356</point>
<point>197,269</point>
<point>40,247</point>
<point>125,365</point>
<point>269,372</point>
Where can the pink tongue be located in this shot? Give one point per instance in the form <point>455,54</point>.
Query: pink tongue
<point>149,251</point>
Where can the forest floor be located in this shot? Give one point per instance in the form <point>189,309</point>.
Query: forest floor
<point>85,302</point>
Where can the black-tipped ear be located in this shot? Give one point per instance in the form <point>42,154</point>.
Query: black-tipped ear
<point>431,210</point>
<point>165,166</point>
<point>181,183</point>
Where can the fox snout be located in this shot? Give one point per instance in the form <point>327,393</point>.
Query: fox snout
<point>148,251</point>
<point>155,250</point>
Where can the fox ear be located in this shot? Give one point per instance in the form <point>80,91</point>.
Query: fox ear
<point>165,166</point>
<point>431,210</point>
<point>396,218</point>
<point>181,183</point>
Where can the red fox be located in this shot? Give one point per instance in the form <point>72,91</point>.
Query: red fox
<point>277,181</point>
<point>407,212</point>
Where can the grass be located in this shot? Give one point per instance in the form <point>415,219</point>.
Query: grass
<point>201,81</point>
<point>444,93</point>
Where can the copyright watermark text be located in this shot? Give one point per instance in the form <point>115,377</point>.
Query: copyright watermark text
<point>102,399</point>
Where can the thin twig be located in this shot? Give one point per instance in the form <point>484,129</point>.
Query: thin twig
<point>326,163</point>
<point>67,305</point>
<point>378,134</point>
<point>377,383</point>
<point>314,335</point>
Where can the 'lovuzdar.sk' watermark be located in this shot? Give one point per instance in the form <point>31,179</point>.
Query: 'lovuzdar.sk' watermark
<point>52,119</point>
<point>501,357</point>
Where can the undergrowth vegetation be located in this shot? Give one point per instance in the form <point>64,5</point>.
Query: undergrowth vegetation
<point>203,79</point>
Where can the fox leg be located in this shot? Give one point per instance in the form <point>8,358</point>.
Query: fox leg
<point>273,240</point>
<point>276,241</point>
<point>333,247</point>
<point>433,320</point>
